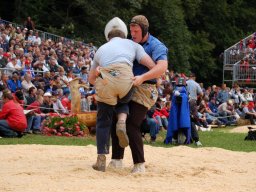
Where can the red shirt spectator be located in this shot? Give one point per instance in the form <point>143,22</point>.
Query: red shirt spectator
<point>66,103</point>
<point>14,115</point>
<point>35,106</point>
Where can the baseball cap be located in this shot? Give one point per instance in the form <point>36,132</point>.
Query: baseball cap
<point>47,94</point>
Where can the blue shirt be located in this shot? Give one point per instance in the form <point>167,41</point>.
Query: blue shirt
<point>155,49</point>
<point>13,86</point>
<point>193,88</point>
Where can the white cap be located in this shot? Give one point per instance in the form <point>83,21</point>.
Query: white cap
<point>115,23</point>
<point>47,94</point>
<point>163,99</point>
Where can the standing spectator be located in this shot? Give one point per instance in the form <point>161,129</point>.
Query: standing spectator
<point>29,24</point>
<point>195,92</point>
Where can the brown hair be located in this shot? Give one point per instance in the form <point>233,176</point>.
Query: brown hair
<point>7,94</point>
<point>116,33</point>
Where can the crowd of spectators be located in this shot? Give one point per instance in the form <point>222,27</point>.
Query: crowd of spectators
<point>244,52</point>
<point>218,105</point>
<point>37,71</point>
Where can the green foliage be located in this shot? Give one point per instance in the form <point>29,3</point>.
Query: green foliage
<point>195,31</point>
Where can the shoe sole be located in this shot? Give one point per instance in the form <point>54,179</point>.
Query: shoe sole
<point>95,167</point>
<point>122,137</point>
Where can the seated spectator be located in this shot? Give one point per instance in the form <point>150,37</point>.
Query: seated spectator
<point>18,97</point>
<point>35,117</point>
<point>47,106</point>
<point>50,87</point>
<point>66,100</point>
<point>57,105</point>
<point>150,125</point>
<point>165,110</point>
<point>4,80</point>
<point>247,95</point>
<point>227,111</point>
<point>248,112</point>
<point>12,119</point>
<point>53,64</point>
<point>14,83</point>
<point>84,103</point>
<point>63,79</point>
<point>37,39</point>
<point>223,94</point>
<point>28,69</point>
<point>211,118</point>
<point>31,96</point>
<point>161,118</point>
<point>12,66</point>
<point>26,83</point>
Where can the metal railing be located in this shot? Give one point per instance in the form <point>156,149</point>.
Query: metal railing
<point>235,52</point>
<point>45,35</point>
<point>244,74</point>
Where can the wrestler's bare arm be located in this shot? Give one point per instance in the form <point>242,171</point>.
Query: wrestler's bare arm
<point>92,76</point>
<point>147,61</point>
<point>155,72</point>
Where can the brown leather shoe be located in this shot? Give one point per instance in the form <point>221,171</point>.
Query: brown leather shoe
<point>121,134</point>
<point>100,164</point>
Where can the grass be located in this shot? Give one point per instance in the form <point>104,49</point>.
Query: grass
<point>48,140</point>
<point>220,138</point>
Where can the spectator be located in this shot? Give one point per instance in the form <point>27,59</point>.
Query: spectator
<point>35,117</point>
<point>14,83</point>
<point>12,66</point>
<point>57,105</point>
<point>248,112</point>
<point>26,83</point>
<point>12,119</point>
<point>223,94</point>
<point>227,111</point>
<point>29,24</point>
<point>66,100</point>
<point>31,97</point>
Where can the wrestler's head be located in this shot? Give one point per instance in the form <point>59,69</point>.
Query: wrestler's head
<point>115,28</point>
<point>139,28</point>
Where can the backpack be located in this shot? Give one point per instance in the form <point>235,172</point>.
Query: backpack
<point>251,135</point>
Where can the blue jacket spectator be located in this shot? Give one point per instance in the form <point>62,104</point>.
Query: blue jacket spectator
<point>14,83</point>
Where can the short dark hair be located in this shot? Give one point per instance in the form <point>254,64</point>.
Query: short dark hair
<point>116,33</point>
<point>30,90</point>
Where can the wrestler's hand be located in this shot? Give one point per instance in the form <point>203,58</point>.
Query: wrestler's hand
<point>137,80</point>
<point>97,71</point>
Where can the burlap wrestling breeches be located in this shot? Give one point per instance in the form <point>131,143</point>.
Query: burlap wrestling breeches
<point>145,94</point>
<point>114,82</point>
